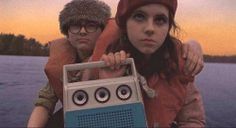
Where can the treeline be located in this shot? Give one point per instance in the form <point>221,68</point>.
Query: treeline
<point>11,44</point>
<point>220,59</point>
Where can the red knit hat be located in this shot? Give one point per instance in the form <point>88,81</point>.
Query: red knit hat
<point>126,7</point>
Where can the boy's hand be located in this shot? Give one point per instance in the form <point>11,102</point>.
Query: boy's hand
<point>192,52</point>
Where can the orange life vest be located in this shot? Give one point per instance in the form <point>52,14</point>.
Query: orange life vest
<point>62,53</point>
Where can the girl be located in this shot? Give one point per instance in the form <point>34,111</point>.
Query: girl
<point>146,26</point>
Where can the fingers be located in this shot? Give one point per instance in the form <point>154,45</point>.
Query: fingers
<point>199,67</point>
<point>114,60</point>
<point>105,58</point>
<point>123,56</point>
<point>185,50</point>
<point>194,64</point>
<point>188,64</point>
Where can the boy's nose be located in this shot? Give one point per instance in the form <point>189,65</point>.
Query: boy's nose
<point>82,31</point>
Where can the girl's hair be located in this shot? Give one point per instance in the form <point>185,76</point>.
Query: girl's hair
<point>163,62</point>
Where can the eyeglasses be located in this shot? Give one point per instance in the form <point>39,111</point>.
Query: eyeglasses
<point>89,27</point>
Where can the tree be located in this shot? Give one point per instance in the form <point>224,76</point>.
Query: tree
<point>19,45</point>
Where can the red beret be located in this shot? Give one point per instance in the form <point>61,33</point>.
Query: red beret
<point>126,7</point>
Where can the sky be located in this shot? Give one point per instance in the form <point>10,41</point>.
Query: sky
<point>211,22</point>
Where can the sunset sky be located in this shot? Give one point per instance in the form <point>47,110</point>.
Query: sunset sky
<point>211,22</point>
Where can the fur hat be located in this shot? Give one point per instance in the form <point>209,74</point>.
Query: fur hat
<point>76,10</point>
<point>126,7</point>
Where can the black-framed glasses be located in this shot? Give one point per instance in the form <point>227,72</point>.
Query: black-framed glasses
<point>89,27</point>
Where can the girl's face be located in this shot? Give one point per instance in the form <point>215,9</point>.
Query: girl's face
<point>148,27</point>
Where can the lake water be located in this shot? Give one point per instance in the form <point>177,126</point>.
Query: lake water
<point>21,78</point>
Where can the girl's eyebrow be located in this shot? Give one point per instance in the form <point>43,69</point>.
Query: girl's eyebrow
<point>143,12</point>
<point>138,11</point>
<point>162,14</point>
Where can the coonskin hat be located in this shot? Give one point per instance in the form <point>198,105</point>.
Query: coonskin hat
<point>126,7</point>
<point>76,10</point>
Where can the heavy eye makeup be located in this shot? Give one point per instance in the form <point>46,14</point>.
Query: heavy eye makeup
<point>161,19</point>
<point>138,16</point>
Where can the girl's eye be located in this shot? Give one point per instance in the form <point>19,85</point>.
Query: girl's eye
<point>138,17</point>
<point>161,20</point>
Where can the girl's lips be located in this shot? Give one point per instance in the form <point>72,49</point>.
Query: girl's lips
<point>148,41</point>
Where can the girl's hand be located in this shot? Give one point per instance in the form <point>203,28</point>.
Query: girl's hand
<point>114,65</point>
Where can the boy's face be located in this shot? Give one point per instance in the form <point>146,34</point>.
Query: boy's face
<point>83,36</point>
